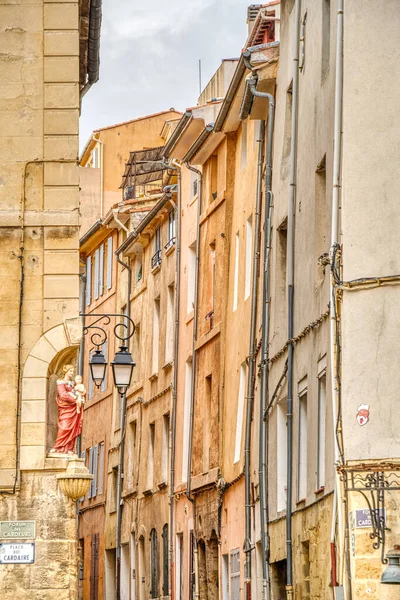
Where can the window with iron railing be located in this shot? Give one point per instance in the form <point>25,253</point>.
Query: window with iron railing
<point>171,229</point>
<point>156,258</point>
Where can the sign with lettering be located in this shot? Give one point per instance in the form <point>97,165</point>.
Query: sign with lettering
<point>14,530</point>
<point>363,517</point>
<point>17,554</point>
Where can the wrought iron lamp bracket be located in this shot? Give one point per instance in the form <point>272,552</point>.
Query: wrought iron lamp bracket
<point>372,482</point>
<point>123,330</point>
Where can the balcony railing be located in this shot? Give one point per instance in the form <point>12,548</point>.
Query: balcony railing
<point>170,243</point>
<point>156,259</point>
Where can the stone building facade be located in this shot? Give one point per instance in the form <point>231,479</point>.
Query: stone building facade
<point>44,70</point>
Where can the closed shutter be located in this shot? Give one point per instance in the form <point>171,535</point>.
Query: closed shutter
<point>165,561</point>
<point>101,270</point>
<point>235,574</point>
<point>101,469</point>
<point>153,564</point>
<point>88,280</point>
<point>90,467</point>
<point>96,274</point>
<point>109,262</point>
<point>94,567</point>
<point>95,464</point>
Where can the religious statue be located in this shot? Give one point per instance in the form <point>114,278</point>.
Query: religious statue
<point>70,398</point>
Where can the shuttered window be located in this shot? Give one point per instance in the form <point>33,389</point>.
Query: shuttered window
<point>94,470</point>
<point>165,560</point>
<point>154,564</point>
<point>235,574</point>
<point>96,274</point>
<point>109,262</point>
<point>94,567</point>
<point>101,270</point>
<point>90,467</point>
<point>101,469</point>
<point>88,280</point>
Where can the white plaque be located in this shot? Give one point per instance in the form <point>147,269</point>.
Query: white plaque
<point>14,554</point>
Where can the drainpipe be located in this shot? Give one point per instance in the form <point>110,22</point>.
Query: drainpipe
<point>101,177</point>
<point>122,446</point>
<point>252,83</point>
<point>290,284</point>
<point>176,167</point>
<point>193,382</point>
<point>337,511</point>
<point>81,356</point>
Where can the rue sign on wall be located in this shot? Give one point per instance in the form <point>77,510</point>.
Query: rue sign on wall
<point>14,530</point>
<point>17,554</point>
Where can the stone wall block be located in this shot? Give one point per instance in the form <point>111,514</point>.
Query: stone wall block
<point>60,174</point>
<point>57,198</point>
<point>61,147</point>
<point>43,350</point>
<point>32,457</point>
<point>368,568</point>
<point>7,455</point>
<point>61,286</point>
<point>55,310</point>
<point>33,411</point>
<point>61,16</point>
<point>35,367</point>
<point>61,43</point>
<point>61,95</point>
<point>73,328</point>
<point>61,69</point>
<point>33,434</point>
<point>66,262</point>
<point>25,122</point>
<point>57,338</point>
<point>61,122</point>
<point>16,17</point>
<point>34,388</point>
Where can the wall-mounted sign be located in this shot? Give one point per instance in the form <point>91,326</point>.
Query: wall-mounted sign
<point>14,530</point>
<point>17,554</point>
<point>361,518</point>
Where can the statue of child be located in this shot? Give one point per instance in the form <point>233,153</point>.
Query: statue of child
<point>80,393</point>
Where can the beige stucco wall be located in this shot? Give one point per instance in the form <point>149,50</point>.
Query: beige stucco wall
<point>39,220</point>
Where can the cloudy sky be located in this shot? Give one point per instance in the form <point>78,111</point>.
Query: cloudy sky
<point>150,52</point>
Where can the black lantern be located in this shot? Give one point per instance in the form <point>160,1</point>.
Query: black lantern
<point>98,366</point>
<point>392,572</point>
<point>122,367</point>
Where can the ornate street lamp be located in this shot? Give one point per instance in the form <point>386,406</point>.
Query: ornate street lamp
<point>122,367</point>
<point>391,574</point>
<point>98,365</point>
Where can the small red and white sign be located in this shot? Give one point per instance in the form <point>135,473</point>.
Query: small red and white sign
<point>362,414</point>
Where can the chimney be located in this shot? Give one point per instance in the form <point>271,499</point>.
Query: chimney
<point>252,12</point>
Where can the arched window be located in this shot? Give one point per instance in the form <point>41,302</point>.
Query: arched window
<point>165,560</point>
<point>154,564</point>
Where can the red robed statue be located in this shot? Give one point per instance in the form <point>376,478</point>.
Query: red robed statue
<point>70,396</point>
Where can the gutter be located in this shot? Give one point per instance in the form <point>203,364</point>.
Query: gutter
<point>179,129</point>
<point>93,66</point>
<point>94,229</point>
<point>197,144</point>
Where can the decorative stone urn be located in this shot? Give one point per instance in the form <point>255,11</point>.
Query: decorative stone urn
<point>75,482</point>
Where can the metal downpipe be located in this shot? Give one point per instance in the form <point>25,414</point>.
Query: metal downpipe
<point>290,283</point>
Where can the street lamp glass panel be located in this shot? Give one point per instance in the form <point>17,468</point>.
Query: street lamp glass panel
<point>122,367</point>
<point>98,367</point>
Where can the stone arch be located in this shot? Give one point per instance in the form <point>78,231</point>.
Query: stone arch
<point>52,348</point>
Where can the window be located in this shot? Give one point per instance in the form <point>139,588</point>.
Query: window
<point>156,334</point>
<point>156,258</point>
<point>240,412</point>
<point>96,273</point>
<point>179,567</point>
<point>287,133</point>
<point>249,246</point>
<point>211,284</point>
<point>142,570</point>
<point>101,270</point>
<point>207,421</point>
<point>139,266</point>
<point>326,37</point>
<point>171,229</point>
<point>302,456</point>
<point>165,449</point>
<point>165,560</point>
<point>236,274</point>
<point>321,429</point>
<point>191,268</point>
<point>150,458</point>
<point>100,477</point>
<point>214,177</point>
<point>243,148</point>
<point>104,348</point>
<point>186,418</point>
<point>225,577</point>
<point>281,454</point>
<point>235,574</point>
<point>90,467</point>
<point>113,491</point>
<point>88,280</point>
<point>169,336</point>
<point>136,352</point>
<point>94,566</point>
<point>95,158</point>
<point>109,262</point>
<point>194,184</point>
<point>281,247</point>
<point>154,564</point>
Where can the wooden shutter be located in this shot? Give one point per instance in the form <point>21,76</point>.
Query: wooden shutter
<point>90,467</point>
<point>94,567</point>
<point>153,564</point>
<point>165,561</point>
<point>101,469</point>
<point>88,280</point>
<point>95,464</point>
<point>109,262</point>
<point>235,574</point>
<point>96,274</point>
<point>101,270</point>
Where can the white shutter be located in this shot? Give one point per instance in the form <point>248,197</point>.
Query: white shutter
<point>109,262</point>
<point>101,469</point>
<point>95,463</point>
<point>96,274</point>
<point>88,280</point>
<point>90,467</point>
<point>101,271</point>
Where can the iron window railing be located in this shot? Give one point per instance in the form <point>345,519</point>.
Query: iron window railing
<point>170,243</point>
<point>156,259</point>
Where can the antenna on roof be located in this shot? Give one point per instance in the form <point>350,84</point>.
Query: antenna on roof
<point>200,77</point>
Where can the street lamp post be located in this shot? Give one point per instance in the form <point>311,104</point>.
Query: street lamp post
<point>122,368</point>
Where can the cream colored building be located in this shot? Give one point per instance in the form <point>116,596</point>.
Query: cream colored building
<point>44,71</point>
